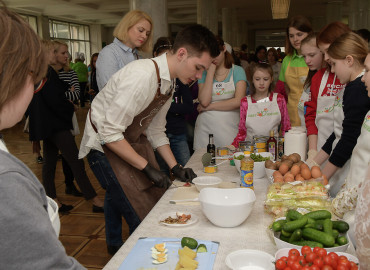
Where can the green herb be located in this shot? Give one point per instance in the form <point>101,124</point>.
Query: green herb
<point>240,157</point>
<point>259,158</point>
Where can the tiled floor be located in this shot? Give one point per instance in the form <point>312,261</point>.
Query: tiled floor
<point>82,231</point>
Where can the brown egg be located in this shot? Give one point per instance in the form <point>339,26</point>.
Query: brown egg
<point>304,166</point>
<point>288,177</point>
<point>306,174</point>
<point>277,174</point>
<point>316,172</point>
<point>279,180</point>
<point>284,168</point>
<point>299,177</point>
<point>295,170</point>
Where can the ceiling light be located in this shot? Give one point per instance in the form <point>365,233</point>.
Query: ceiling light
<point>280,9</point>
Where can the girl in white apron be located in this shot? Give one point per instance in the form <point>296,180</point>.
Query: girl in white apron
<point>220,91</point>
<point>347,56</point>
<point>323,90</point>
<point>264,110</point>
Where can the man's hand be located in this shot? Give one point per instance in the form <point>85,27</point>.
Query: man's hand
<point>158,178</point>
<point>184,174</point>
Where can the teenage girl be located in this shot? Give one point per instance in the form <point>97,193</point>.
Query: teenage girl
<point>347,55</point>
<point>294,70</point>
<point>263,110</point>
<point>314,60</point>
<point>324,88</point>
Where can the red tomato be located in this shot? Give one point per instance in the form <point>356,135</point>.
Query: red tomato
<point>293,258</point>
<point>287,268</point>
<point>296,266</point>
<point>316,250</point>
<point>305,249</point>
<point>302,260</point>
<point>292,261</point>
<point>294,251</point>
<point>344,262</point>
<point>322,252</point>
<point>342,267</point>
<point>310,257</point>
<point>327,267</point>
<point>319,262</point>
<point>328,260</point>
<point>284,258</point>
<point>307,268</point>
<point>314,267</point>
<point>342,257</point>
<point>354,267</point>
<point>333,255</point>
<point>280,264</point>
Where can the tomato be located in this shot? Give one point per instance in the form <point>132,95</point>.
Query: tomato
<point>293,257</point>
<point>342,267</point>
<point>327,267</point>
<point>354,267</point>
<point>292,261</point>
<point>342,257</point>
<point>296,266</point>
<point>307,268</point>
<point>344,262</point>
<point>284,258</point>
<point>310,257</point>
<point>319,262</point>
<point>280,264</point>
<point>322,252</point>
<point>333,255</point>
<point>287,268</point>
<point>314,267</point>
<point>294,251</point>
<point>302,260</point>
<point>305,250</point>
<point>316,250</point>
<point>328,259</point>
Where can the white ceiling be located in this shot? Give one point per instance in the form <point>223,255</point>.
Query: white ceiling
<point>108,12</point>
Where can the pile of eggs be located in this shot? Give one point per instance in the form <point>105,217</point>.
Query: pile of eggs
<point>159,253</point>
<point>291,168</point>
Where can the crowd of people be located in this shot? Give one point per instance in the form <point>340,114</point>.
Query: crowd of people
<point>147,116</point>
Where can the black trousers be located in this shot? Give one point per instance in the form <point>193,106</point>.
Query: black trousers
<point>64,141</point>
<point>82,93</point>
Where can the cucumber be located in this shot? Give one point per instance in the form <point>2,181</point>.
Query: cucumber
<point>335,233</point>
<point>201,248</point>
<point>318,226</point>
<point>308,243</point>
<point>342,240</point>
<point>283,238</point>
<point>318,236</point>
<point>296,236</point>
<point>310,221</point>
<point>309,226</point>
<point>293,214</point>
<point>285,233</point>
<point>278,225</point>
<point>341,226</point>
<point>291,226</point>
<point>320,221</point>
<point>319,214</point>
<point>328,227</point>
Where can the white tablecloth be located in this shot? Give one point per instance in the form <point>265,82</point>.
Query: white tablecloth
<point>252,234</point>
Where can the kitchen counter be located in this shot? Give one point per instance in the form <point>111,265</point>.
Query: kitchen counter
<point>252,234</point>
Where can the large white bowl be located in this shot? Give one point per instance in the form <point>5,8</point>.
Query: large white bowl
<point>285,252</point>
<point>227,207</point>
<point>206,182</point>
<point>249,259</point>
<point>259,167</point>
<point>282,244</point>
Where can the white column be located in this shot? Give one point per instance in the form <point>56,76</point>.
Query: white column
<point>359,16</point>
<point>158,12</point>
<point>333,12</point>
<point>207,14</point>
<point>95,38</point>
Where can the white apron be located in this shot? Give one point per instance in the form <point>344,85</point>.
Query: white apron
<point>324,113</point>
<point>222,124</point>
<point>262,117</point>
<point>301,111</point>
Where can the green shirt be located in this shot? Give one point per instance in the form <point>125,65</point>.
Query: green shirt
<point>295,61</point>
<point>81,70</point>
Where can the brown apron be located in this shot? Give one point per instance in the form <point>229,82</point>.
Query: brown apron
<point>139,190</point>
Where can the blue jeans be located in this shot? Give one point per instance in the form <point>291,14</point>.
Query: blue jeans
<point>116,203</point>
<point>180,149</point>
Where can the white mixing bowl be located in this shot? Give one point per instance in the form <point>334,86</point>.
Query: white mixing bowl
<point>227,207</point>
<point>206,182</point>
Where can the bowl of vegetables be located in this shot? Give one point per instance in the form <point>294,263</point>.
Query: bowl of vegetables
<point>238,156</point>
<point>314,229</point>
<point>259,163</point>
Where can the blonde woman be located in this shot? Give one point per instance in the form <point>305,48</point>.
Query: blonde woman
<point>132,34</point>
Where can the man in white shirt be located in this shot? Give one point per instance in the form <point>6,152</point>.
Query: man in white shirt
<point>128,117</point>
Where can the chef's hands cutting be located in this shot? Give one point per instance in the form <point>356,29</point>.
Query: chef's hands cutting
<point>184,174</point>
<point>158,178</point>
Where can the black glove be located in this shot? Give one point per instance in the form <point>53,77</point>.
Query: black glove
<point>184,174</point>
<point>158,178</point>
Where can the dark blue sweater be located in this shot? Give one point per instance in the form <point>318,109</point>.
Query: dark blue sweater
<point>182,104</point>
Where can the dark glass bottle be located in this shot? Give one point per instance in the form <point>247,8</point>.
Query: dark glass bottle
<point>272,145</point>
<point>211,148</point>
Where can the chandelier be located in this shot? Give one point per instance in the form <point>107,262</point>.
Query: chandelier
<point>280,9</point>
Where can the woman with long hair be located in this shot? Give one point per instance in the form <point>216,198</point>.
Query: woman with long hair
<point>221,88</point>
<point>294,69</point>
<point>325,86</point>
<point>94,89</point>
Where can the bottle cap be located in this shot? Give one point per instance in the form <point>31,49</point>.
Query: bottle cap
<point>271,133</point>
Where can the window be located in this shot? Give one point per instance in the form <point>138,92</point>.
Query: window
<point>77,36</point>
<point>32,20</point>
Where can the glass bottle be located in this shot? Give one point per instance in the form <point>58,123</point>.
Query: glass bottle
<point>272,145</point>
<point>211,148</point>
